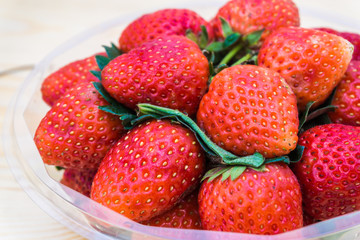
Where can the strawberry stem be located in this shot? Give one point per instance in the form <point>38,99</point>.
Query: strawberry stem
<point>255,160</point>
<point>243,59</point>
<point>231,54</point>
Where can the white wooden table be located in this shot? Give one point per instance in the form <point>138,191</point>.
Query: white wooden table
<point>28,31</point>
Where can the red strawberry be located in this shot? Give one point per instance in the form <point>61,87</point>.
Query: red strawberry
<point>246,16</point>
<point>57,83</point>
<point>75,133</point>
<point>170,71</point>
<point>163,22</point>
<point>79,180</point>
<point>346,97</point>
<point>250,109</point>
<point>328,30</point>
<point>353,38</point>
<point>267,202</point>
<point>329,170</point>
<point>311,61</point>
<point>149,170</point>
<point>184,215</point>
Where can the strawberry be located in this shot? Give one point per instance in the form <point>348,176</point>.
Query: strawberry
<point>170,71</point>
<point>79,180</point>
<point>76,134</point>
<point>58,82</point>
<point>353,38</point>
<point>328,30</point>
<point>311,61</point>
<point>184,215</point>
<point>329,170</point>
<point>346,97</point>
<point>246,16</point>
<point>149,170</point>
<point>163,22</point>
<point>259,202</point>
<point>250,109</point>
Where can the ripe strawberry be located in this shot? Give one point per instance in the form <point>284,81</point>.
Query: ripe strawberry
<point>149,170</point>
<point>329,170</point>
<point>250,109</point>
<point>328,30</point>
<point>163,22</point>
<point>170,71</point>
<point>58,82</point>
<point>353,38</point>
<point>184,215</point>
<point>79,180</point>
<point>246,16</point>
<point>311,61</point>
<point>346,97</point>
<point>267,202</point>
<point>75,133</point>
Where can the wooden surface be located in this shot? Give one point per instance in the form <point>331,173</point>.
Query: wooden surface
<point>28,31</point>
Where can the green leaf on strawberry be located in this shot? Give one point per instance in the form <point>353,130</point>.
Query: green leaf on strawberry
<point>111,52</point>
<point>234,49</point>
<point>226,28</point>
<point>309,119</point>
<point>114,107</point>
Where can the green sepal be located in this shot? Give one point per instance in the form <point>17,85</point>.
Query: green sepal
<point>296,154</point>
<point>204,37</point>
<point>317,117</point>
<point>214,173</point>
<point>320,111</point>
<point>226,28</point>
<point>191,35</point>
<point>102,61</point>
<point>211,148</point>
<point>305,114</point>
<point>113,51</point>
<point>114,107</point>
<point>100,88</point>
<point>253,38</point>
<point>220,68</point>
<point>97,74</point>
<point>117,110</point>
<point>58,168</point>
<point>231,40</point>
<point>236,171</point>
<point>215,47</point>
<point>229,171</point>
<point>284,159</point>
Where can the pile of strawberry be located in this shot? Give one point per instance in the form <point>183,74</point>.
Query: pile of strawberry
<point>247,123</point>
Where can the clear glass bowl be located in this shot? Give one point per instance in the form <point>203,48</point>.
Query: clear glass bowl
<point>83,215</point>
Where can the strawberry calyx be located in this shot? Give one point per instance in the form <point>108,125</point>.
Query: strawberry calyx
<point>125,114</point>
<point>235,171</point>
<point>234,49</point>
<point>111,52</point>
<point>201,39</point>
<point>310,118</point>
<point>227,158</point>
<point>217,154</point>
